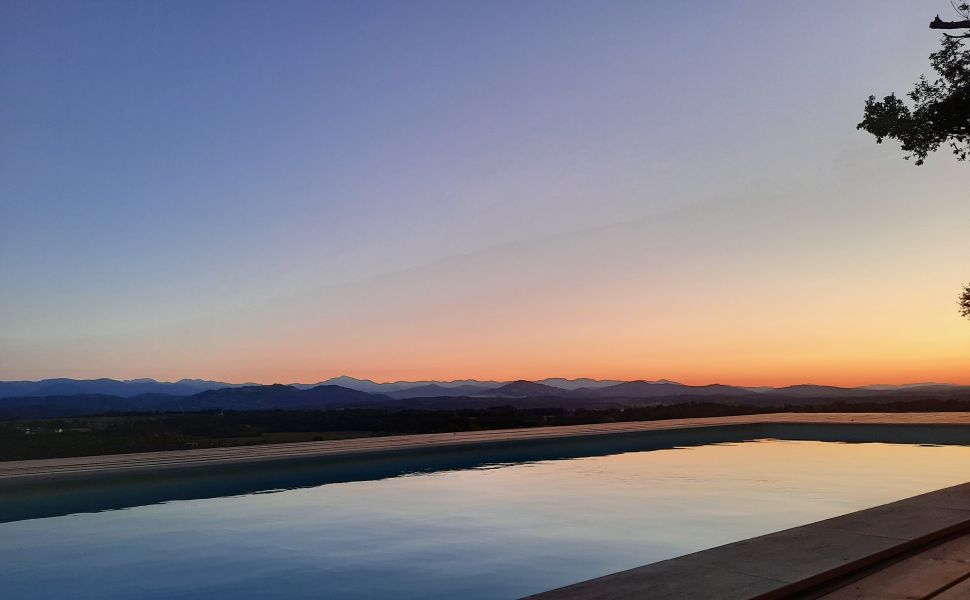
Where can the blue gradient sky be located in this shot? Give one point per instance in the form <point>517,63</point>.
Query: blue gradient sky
<point>289,191</point>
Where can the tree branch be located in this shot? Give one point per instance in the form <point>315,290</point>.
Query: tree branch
<point>939,23</point>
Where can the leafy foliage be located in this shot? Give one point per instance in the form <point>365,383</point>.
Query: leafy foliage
<point>964,302</point>
<point>940,113</point>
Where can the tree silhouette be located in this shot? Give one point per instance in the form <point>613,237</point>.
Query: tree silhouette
<point>965,302</point>
<point>941,108</point>
<point>940,113</point>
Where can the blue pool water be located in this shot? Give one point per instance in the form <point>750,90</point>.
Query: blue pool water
<point>485,531</point>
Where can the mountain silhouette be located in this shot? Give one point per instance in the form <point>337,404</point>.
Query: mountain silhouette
<point>70,397</point>
<point>651,389</point>
<point>436,390</point>
<point>277,396</point>
<point>579,383</point>
<point>109,387</point>
<point>525,389</point>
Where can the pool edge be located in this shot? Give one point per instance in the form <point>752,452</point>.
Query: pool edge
<point>791,562</point>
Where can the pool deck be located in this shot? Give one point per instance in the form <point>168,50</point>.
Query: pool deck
<point>914,549</point>
<point>911,549</point>
<point>917,548</point>
<point>48,470</point>
<point>941,571</point>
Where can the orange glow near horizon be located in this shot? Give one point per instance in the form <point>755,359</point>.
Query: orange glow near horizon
<point>844,337</point>
<point>510,343</point>
<point>473,194</point>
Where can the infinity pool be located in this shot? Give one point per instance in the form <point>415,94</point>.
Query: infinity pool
<point>488,530</point>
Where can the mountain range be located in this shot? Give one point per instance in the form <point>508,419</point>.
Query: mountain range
<point>110,387</point>
<point>69,397</point>
<point>464,387</point>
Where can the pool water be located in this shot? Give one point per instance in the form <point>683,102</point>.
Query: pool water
<point>490,531</point>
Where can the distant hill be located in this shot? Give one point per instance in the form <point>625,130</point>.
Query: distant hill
<point>107,387</point>
<point>277,397</point>
<point>70,397</point>
<point>816,391</point>
<point>553,387</point>
<point>436,390</point>
<point>245,398</point>
<point>651,389</point>
<point>79,405</point>
<point>519,402</point>
<point>925,386</point>
<point>575,384</point>
<point>525,389</point>
<point>373,387</point>
<point>360,385</point>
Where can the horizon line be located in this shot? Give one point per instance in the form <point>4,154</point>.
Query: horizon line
<point>484,380</point>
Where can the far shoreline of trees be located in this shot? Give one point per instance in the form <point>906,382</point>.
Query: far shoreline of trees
<point>127,433</point>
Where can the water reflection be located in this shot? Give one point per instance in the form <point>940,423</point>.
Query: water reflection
<point>472,526</point>
<point>48,500</point>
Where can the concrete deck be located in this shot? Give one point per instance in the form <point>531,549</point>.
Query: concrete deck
<point>941,571</point>
<point>798,562</point>
<point>20,472</point>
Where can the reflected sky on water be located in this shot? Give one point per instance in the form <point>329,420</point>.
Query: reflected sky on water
<point>490,531</point>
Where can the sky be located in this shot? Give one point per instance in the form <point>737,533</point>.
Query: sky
<point>289,191</point>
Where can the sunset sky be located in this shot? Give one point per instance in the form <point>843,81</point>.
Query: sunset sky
<point>282,192</point>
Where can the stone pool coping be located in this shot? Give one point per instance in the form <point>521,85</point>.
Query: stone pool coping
<point>790,563</point>
<point>17,473</point>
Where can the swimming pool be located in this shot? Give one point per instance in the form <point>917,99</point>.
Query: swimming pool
<point>499,522</point>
